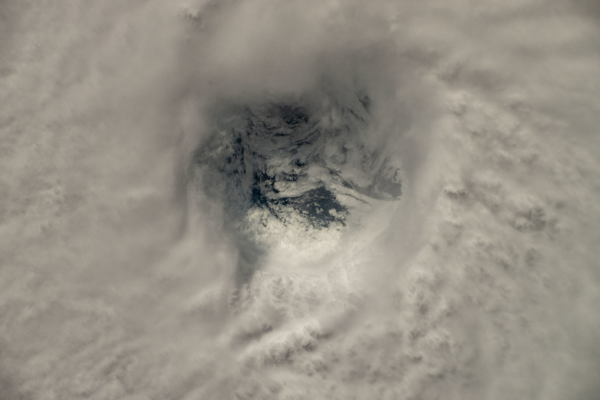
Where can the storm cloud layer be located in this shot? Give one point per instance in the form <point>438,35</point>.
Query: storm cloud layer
<point>260,199</point>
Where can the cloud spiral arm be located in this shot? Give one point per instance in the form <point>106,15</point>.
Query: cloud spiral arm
<point>471,273</point>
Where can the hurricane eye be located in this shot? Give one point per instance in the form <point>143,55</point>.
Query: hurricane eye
<point>286,171</point>
<point>293,116</point>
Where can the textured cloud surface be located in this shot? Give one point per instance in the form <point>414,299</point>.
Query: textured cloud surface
<point>264,199</point>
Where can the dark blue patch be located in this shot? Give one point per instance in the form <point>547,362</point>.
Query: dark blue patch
<point>314,205</point>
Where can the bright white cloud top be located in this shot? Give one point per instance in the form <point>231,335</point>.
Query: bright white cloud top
<point>260,199</point>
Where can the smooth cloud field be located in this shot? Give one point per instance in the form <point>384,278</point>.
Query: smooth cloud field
<point>118,270</point>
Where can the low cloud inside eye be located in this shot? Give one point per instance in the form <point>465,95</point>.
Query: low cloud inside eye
<point>303,163</point>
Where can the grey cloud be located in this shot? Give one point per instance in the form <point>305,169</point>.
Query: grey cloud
<point>437,238</point>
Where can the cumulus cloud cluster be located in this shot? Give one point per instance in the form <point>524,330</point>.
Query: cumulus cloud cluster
<point>119,268</point>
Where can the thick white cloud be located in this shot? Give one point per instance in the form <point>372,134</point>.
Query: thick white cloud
<point>118,275</point>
